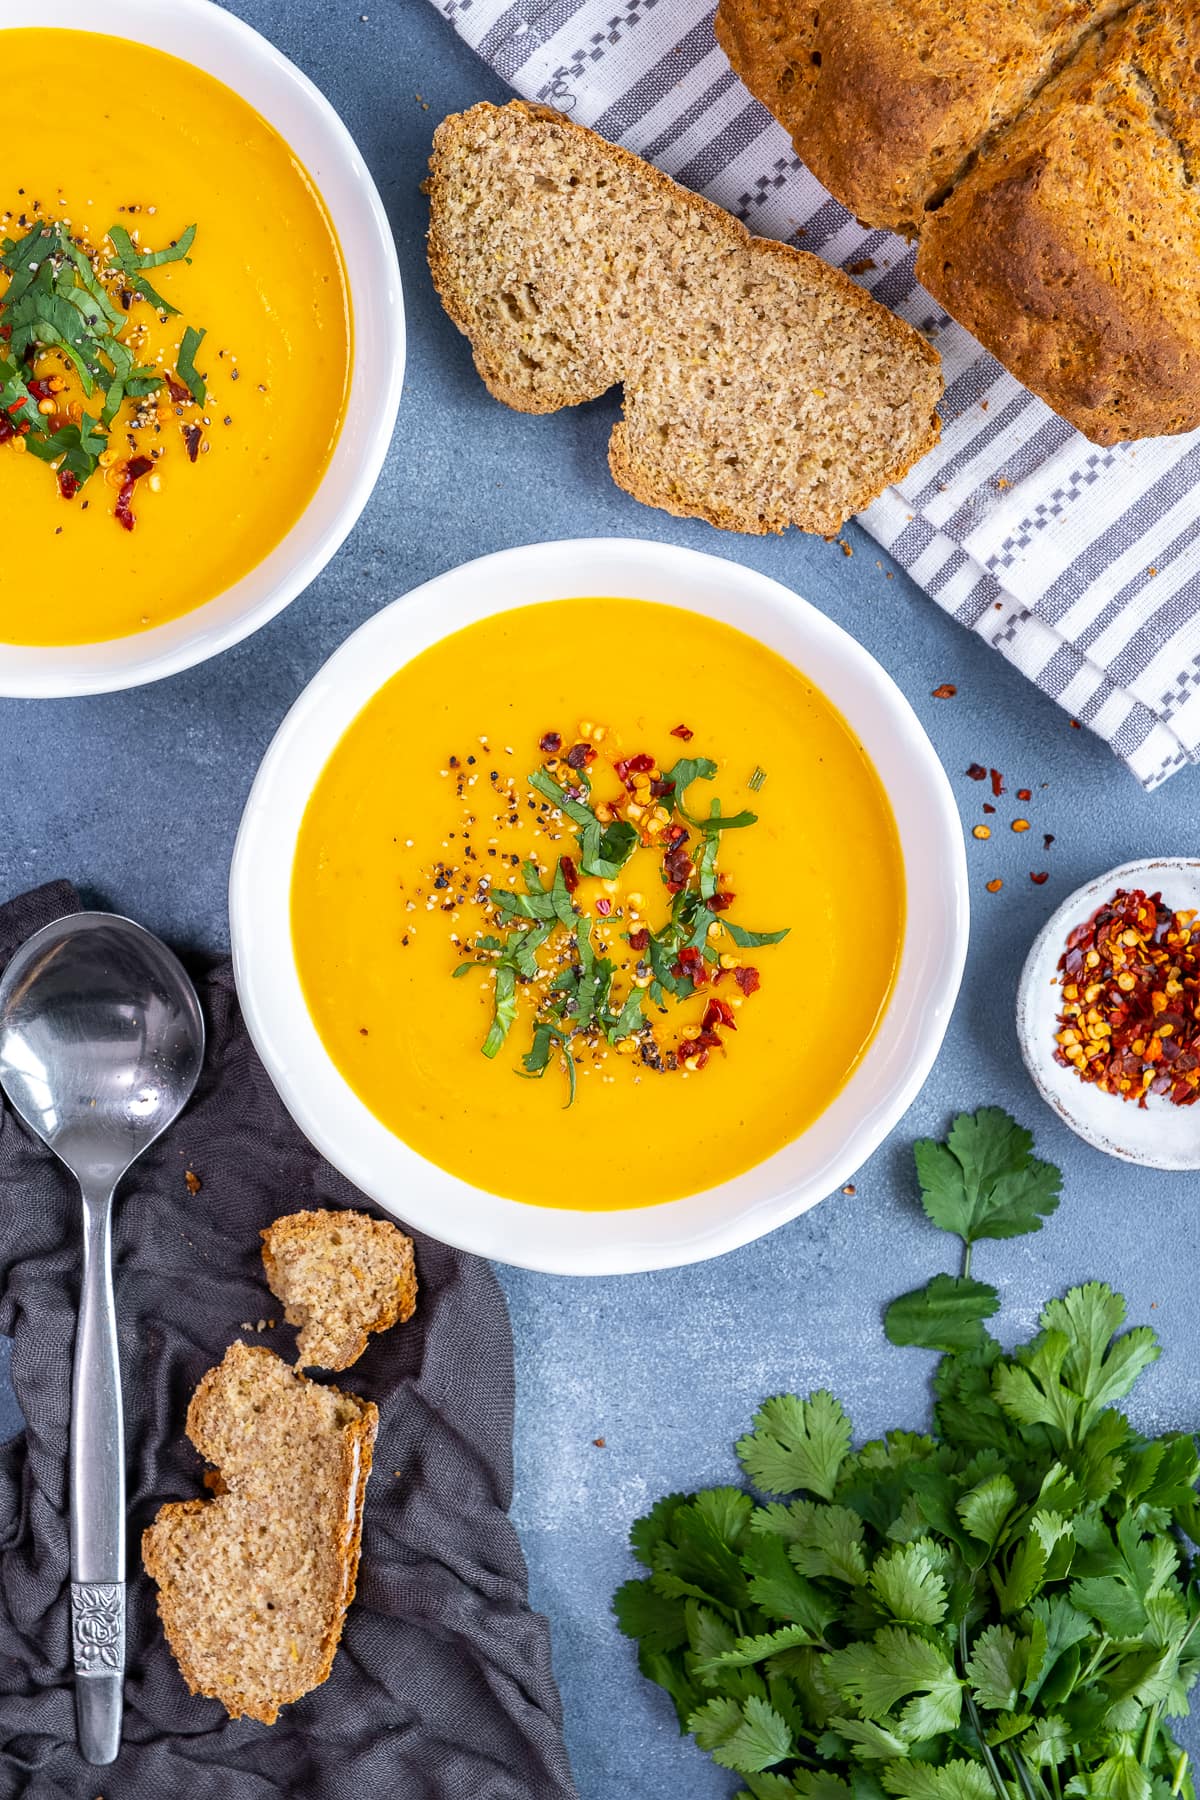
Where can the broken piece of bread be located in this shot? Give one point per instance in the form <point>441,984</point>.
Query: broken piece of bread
<point>253,1585</point>
<point>762,387</point>
<point>341,1276</point>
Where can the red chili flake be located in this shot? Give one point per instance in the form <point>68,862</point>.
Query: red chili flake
<point>622,768</point>
<point>997,782</point>
<point>947,691</point>
<point>678,865</point>
<point>659,788</point>
<point>604,907</point>
<point>580,755</point>
<point>691,1050</point>
<point>1075,725</point>
<point>68,484</point>
<point>641,764</point>
<point>179,394</point>
<point>988,807</point>
<point>748,980</point>
<point>719,1012</point>
<point>551,743</point>
<point>7,428</point>
<point>39,388</point>
<point>570,873</point>
<point>192,435</point>
<point>1130,982</point>
<point>135,468</point>
<point>977,772</point>
<point>718,903</point>
<point>1038,879</point>
<point>1024,793</point>
<point>1047,840</point>
<point>639,939</point>
<point>675,833</point>
<point>682,731</point>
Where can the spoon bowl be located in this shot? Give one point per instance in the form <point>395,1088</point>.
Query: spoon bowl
<point>101,1043</point>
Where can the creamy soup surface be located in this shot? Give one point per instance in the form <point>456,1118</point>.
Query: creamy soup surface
<point>425,837</point>
<point>140,141</point>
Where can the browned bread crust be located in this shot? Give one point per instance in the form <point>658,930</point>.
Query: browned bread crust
<point>1072,248</point>
<point>1045,153</point>
<point>885,100</point>
<point>762,388</point>
<point>341,1276</point>
<point>253,1585</point>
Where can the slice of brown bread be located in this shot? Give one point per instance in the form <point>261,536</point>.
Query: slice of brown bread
<point>253,1585</point>
<point>886,100</point>
<point>340,1275</point>
<point>1072,248</point>
<point>762,388</point>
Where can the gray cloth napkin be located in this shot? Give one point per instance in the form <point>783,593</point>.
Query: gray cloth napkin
<point>442,1688</point>
<point>1079,565</point>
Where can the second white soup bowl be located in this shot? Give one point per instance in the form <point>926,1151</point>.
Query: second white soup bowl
<point>784,1184</point>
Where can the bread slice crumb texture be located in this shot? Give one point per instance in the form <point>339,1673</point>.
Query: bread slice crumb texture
<point>253,1585</point>
<point>341,1276</point>
<point>762,387</point>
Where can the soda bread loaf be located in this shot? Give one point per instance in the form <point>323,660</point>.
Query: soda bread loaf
<point>762,388</point>
<point>340,1275</point>
<point>1045,152</point>
<point>253,1585</point>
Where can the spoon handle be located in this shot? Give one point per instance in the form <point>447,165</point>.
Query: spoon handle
<point>97,1494</point>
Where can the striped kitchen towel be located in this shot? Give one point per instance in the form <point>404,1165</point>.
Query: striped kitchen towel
<point>1080,565</point>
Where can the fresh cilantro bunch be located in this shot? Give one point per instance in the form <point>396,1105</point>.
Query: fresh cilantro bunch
<point>1004,1610</point>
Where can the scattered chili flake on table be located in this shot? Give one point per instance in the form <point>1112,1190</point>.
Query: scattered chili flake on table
<point>994,886</point>
<point>947,691</point>
<point>976,772</point>
<point>1130,1018</point>
<point>997,783</point>
<point>1041,876</point>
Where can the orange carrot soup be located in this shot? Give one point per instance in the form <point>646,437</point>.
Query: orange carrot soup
<point>175,339</point>
<point>586,936</point>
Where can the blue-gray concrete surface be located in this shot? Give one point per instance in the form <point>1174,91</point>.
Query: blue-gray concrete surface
<point>137,797</point>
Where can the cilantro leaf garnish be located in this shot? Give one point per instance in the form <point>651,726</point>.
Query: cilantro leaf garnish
<point>58,302</point>
<point>185,365</point>
<point>1004,1611</point>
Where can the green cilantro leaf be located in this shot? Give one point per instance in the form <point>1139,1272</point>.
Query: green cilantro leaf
<point>947,1314</point>
<point>185,364</point>
<point>997,1667</point>
<point>908,1586</point>
<point>983,1182</point>
<point>797,1444</point>
<point>747,1735</point>
<point>953,1780</point>
<point>505,1015</point>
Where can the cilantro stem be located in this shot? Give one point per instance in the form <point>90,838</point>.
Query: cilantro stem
<point>1150,1733</point>
<point>966,1261</point>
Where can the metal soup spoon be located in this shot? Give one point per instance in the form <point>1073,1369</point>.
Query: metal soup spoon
<point>101,1041</point>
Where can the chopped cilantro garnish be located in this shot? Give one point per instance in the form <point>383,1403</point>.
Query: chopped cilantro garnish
<point>59,300</point>
<point>185,365</point>
<point>578,989</point>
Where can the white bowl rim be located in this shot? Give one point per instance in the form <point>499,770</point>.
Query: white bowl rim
<point>193,30</point>
<point>1118,1128</point>
<point>564,1241</point>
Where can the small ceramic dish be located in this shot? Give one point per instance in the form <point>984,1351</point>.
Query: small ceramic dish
<point>212,39</point>
<point>1158,1135</point>
<point>563,1240</point>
